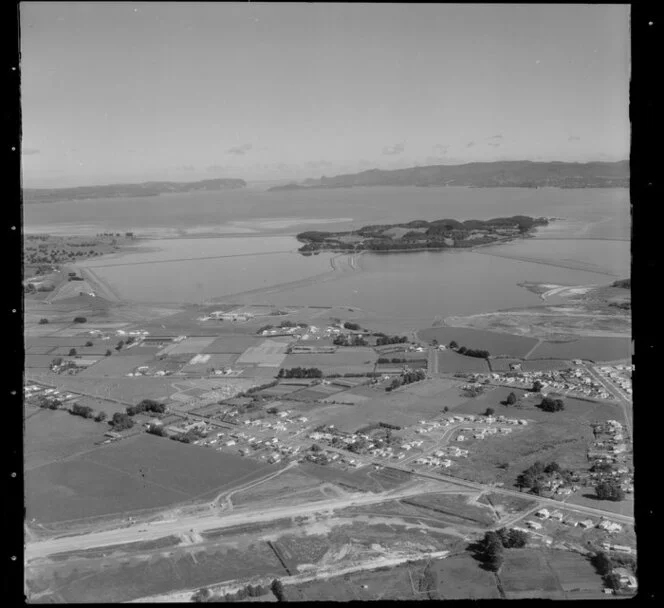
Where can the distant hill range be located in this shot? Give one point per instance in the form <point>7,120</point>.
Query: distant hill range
<point>53,195</point>
<point>514,174</point>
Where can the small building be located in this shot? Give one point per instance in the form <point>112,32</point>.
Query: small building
<point>543,514</point>
<point>534,525</point>
<point>587,523</point>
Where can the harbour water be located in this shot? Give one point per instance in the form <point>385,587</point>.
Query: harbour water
<point>243,241</point>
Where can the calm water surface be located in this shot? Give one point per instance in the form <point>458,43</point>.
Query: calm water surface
<point>590,246</point>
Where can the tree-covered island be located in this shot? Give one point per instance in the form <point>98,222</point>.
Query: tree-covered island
<point>420,234</point>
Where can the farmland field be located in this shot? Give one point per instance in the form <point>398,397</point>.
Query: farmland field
<point>536,365</point>
<point>231,343</point>
<point>116,365</point>
<point>593,349</point>
<point>53,435</point>
<point>358,357</point>
<point>450,361</point>
<point>269,353</point>
<point>495,343</point>
<point>141,472</point>
<point>525,573</point>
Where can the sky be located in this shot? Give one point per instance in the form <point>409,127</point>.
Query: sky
<point>132,91</point>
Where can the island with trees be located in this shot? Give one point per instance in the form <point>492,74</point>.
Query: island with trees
<point>422,235</point>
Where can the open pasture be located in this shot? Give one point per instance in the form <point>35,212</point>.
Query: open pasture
<point>269,353</point>
<point>38,361</point>
<point>140,472</point>
<point>115,366</point>
<point>526,573</point>
<point>52,435</point>
<point>543,365</point>
<point>231,343</point>
<point>343,360</point>
<point>588,348</point>
<point>496,343</point>
<point>346,397</point>
<point>450,362</point>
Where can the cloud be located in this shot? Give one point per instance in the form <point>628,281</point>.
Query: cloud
<point>185,168</point>
<point>496,137</point>
<point>470,144</point>
<point>216,169</point>
<point>573,138</point>
<point>494,144</point>
<point>395,149</point>
<point>29,151</point>
<point>240,150</point>
<point>443,148</point>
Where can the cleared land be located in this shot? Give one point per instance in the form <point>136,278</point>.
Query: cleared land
<point>268,353</point>
<point>450,362</point>
<point>141,472</point>
<point>529,573</point>
<point>231,343</point>
<point>54,435</point>
<point>563,437</point>
<point>344,360</point>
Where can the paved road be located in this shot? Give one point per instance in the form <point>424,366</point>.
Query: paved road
<point>200,524</point>
<point>624,403</point>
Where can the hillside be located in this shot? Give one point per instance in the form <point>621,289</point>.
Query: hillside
<point>51,195</point>
<point>520,174</point>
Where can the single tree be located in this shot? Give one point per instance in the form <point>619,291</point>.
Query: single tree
<point>277,588</point>
<point>537,386</point>
<point>72,352</point>
<point>489,411</point>
<point>453,344</point>
<point>511,399</point>
<point>108,352</point>
<point>43,321</point>
<point>100,417</point>
<point>89,343</point>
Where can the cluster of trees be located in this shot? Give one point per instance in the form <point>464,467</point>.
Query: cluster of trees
<point>157,429</point>
<point>147,405</point>
<point>624,283</point>
<point>604,564</point>
<point>490,550</point>
<point>549,404</point>
<point>352,326</point>
<point>392,360</point>
<point>46,403</point>
<point>383,340</point>
<point>473,352</point>
<point>80,320</point>
<point>277,588</point>
<point>609,490</point>
<point>43,321</point>
<point>354,340</point>
<point>204,595</point>
<point>86,412</point>
<point>300,372</point>
<point>82,410</point>
<point>407,378</point>
<point>534,476</point>
<point>121,422</point>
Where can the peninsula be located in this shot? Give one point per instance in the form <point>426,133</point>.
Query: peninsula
<point>420,234</point>
<point>512,174</point>
<point>54,195</point>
